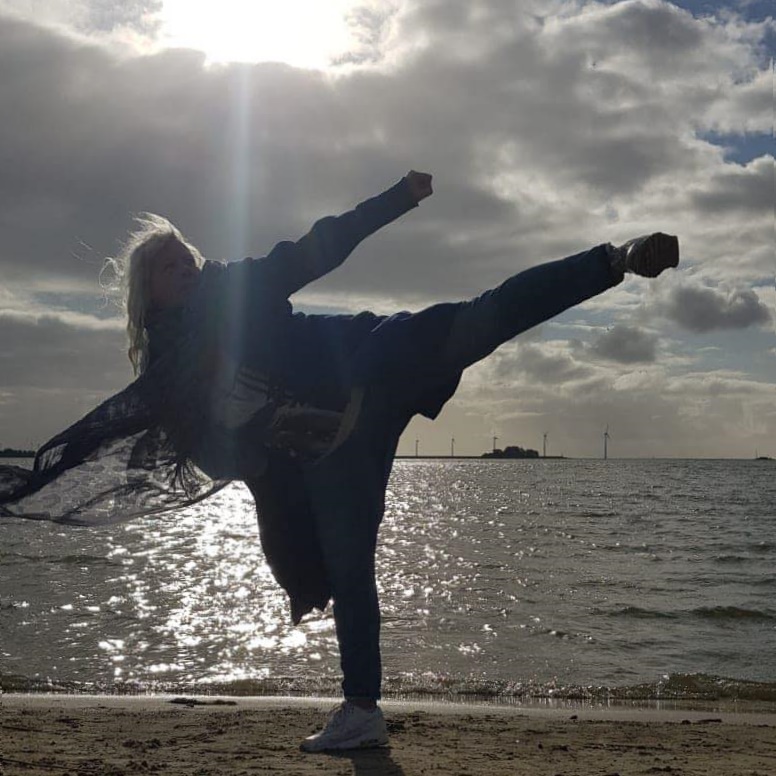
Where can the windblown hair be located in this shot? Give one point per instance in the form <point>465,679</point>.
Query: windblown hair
<point>131,271</point>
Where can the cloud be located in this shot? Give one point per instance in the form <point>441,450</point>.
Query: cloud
<point>537,124</point>
<point>747,188</point>
<point>626,345</point>
<point>104,19</point>
<point>651,410</point>
<point>542,364</point>
<point>550,126</point>
<point>700,309</point>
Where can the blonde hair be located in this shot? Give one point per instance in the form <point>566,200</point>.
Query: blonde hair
<point>131,277</point>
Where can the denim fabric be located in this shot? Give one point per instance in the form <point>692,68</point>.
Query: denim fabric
<point>525,300</point>
<point>347,487</point>
<point>347,493</point>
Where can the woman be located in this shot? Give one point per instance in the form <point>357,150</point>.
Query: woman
<point>307,410</point>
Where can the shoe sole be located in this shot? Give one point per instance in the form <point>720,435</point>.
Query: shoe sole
<point>660,251</point>
<point>370,743</point>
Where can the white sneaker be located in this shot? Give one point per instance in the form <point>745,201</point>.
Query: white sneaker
<point>349,727</point>
<point>648,255</point>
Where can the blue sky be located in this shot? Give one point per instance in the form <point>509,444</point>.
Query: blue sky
<point>549,126</point>
<point>742,148</point>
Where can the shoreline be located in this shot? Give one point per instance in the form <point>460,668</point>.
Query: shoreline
<point>208,736</point>
<point>726,712</point>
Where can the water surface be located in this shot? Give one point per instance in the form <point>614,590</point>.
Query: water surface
<point>501,578</point>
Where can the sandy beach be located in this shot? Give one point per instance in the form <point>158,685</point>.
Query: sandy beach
<point>119,736</point>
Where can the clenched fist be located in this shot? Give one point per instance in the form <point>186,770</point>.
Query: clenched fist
<point>419,184</point>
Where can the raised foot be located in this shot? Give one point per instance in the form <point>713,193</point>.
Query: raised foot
<point>649,254</point>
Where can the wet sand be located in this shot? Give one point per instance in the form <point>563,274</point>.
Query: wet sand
<point>120,736</point>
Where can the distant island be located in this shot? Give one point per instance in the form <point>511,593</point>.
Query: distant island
<point>10,452</point>
<point>512,451</point>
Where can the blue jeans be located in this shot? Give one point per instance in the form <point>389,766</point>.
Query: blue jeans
<point>348,486</point>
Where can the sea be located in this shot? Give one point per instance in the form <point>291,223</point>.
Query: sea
<point>501,581</point>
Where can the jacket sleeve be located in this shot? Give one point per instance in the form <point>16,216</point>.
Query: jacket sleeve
<point>292,265</point>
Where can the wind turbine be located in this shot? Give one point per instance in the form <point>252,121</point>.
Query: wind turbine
<point>606,441</point>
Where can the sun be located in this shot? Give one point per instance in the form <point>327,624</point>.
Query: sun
<point>302,33</point>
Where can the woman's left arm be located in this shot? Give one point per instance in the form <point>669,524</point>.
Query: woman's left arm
<point>292,265</point>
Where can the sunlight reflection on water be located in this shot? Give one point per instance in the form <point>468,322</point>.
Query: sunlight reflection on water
<point>224,616</point>
<point>567,571</point>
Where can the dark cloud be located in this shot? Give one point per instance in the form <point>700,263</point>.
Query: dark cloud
<point>744,188</point>
<point>701,309</point>
<point>661,32</point>
<point>241,156</point>
<point>52,353</point>
<point>626,345</point>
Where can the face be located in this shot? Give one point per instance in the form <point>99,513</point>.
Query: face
<point>174,275</point>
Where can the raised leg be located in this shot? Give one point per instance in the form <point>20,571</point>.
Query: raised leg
<point>526,300</point>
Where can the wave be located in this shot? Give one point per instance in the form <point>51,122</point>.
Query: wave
<point>733,613</point>
<point>677,688</point>
<point>731,559</point>
<point>703,612</point>
<point>57,560</point>
<point>639,613</point>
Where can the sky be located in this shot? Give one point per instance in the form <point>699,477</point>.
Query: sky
<point>549,125</point>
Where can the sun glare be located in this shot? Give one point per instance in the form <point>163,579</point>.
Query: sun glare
<point>303,33</point>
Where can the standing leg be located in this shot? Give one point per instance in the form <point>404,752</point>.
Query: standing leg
<point>347,488</point>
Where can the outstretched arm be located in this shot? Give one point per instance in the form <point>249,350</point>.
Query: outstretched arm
<point>292,265</point>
